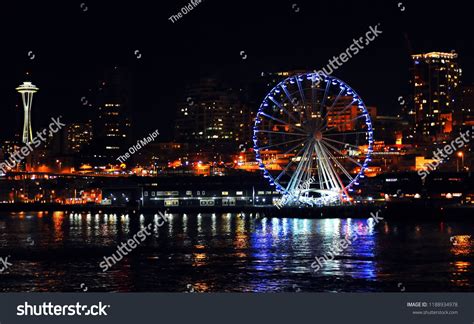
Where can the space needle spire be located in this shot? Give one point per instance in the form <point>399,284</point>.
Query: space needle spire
<point>27,89</point>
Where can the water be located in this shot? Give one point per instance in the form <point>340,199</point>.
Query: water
<point>232,253</point>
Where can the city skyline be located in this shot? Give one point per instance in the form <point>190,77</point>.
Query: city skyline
<point>204,146</point>
<point>217,118</point>
<point>50,65</point>
<point>239,97</point>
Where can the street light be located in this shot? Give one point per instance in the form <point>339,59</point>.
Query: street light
<point>461,155</point>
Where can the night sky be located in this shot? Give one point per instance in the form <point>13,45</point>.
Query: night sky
<point>72,48</point>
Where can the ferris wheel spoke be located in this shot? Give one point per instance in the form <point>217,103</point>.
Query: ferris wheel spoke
<point>332,178</point>
<point>283,109</point>
<point>321,173</point>
<point>343,123</point>
<point>336,175</point>
<point>287,93</point>
<point>282,133</point>
<point>334,103</point>
<point>281,144</point>
<point>320,176</point>
<point>295,147</point>
<point>346,173</point>
<point>323,102</point>
<point>345,144</point>
<point>285,123</point>
<point>298,82</point>
<point>350,133</point>
<point>344,155</point>
<point>323,168</point>
<point>292,161</point>
<point>346,107</point>
<point>341,188</point>
<point>308,168</point>
<point>338,114</point>
<point>300,171</point>
<point>314,97</point>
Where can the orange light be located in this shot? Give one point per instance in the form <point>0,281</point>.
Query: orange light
<point>460,154</point>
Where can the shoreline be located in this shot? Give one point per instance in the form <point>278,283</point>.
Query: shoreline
<point>390,210</point>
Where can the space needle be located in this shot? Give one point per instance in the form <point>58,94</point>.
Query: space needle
<point>27,89</point>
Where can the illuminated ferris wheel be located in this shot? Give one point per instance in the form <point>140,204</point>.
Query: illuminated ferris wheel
<point>313,139</point>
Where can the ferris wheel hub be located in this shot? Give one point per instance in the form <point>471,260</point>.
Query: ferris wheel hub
<point>318,135</point>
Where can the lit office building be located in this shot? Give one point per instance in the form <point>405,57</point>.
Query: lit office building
<point>345,118</point>
<point>78,136</point>
<point>464,111</point>
<point>112,123</point>
<point>436,77</point>
<point>390,129</point>
<point>8,148</point>
<point>211,117</point>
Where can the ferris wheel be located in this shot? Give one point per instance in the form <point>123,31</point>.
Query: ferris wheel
<point>313,139</point>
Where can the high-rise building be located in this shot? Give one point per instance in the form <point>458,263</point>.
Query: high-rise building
<point>78,136</point>
<point>112,123</point>
<point>8,148</point>
<point>436,77</point>
<point>211,117</point>
<point>344,116</point>
<point>389,129</point>
<point>464,111</point>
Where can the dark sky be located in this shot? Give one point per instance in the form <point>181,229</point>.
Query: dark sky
<point>73,47</point>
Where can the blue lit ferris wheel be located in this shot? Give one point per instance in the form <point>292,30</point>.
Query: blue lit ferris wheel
<point>313,139</point>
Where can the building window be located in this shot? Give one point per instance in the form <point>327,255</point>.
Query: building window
<point>225,193</point>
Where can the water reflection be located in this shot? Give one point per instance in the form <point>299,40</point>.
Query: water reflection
<point>234,252</point>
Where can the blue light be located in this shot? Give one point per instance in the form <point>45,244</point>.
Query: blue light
<point>288,83</point>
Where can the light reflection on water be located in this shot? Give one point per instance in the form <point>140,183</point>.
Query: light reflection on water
<point>233,252</point>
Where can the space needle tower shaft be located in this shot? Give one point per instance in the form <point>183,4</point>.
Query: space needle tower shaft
<point>27,89</point>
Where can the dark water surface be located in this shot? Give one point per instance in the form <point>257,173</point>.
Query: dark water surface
<point>233,252</point>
